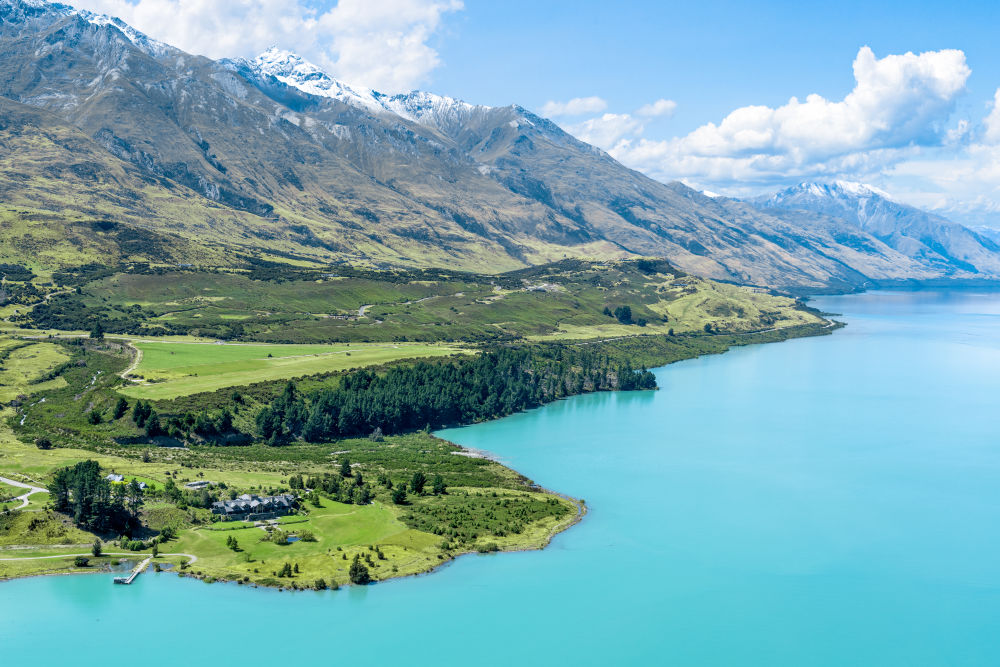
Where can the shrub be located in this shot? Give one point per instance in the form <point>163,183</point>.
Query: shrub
<point>81,561</point>
<point>359,573</point>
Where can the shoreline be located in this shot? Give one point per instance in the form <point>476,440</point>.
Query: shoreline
<point>734,340</point>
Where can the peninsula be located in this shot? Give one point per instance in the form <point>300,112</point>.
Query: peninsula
<point>206,427</point>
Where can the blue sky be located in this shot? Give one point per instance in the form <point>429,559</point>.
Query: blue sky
<point>720,75</point>
<point>709,56</point>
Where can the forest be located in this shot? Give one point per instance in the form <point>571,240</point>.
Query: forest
<point>93,502</point>
<point>408,398</point>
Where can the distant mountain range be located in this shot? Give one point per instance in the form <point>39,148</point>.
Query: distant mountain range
<point>933,242</point>
<point>116,147</point>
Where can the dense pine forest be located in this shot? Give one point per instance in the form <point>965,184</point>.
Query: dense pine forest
<point>93,502</point>
<point>408,398</point>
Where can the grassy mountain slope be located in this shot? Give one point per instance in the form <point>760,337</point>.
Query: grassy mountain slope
<point>240,161</point>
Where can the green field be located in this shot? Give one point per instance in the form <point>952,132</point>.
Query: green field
<point>173,369</point>
<point>341,531</point>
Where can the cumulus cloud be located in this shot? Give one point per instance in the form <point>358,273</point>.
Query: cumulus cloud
<point>383,44</point>
<point>960,181</point>
<point>899,103</point>
<point>607,130</point>
<point>574,107</point>
<point>657,108</point>
<point>610,129</point>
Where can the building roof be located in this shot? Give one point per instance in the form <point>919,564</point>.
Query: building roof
<point>254,504</point>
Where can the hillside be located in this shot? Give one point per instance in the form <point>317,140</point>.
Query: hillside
<point>934,244</point>
<point>269,158</point>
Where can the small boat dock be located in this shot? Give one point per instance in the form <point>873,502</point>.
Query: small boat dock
<point>135,572</point>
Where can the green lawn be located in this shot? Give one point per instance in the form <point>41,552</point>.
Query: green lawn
<point>341,531</point>
<point>8,491</point>
<point>37,501</point>
<point>179,369</point>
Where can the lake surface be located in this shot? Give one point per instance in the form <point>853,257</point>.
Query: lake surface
<point>825,501</point>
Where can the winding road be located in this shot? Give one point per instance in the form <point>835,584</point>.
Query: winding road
<point>23,497</point>
<point>136,360</point>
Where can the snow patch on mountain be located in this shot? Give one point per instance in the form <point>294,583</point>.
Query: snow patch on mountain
<point>845,194</point>
<point>292,70</point>
<point>147,44</point>
<point>422,107</point>
<point>141,40</point>
<point>861,189</point>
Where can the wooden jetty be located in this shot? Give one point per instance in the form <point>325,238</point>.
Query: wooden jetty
<point>135,573</point>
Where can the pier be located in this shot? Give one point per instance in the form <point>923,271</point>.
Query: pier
<point>135,573</point>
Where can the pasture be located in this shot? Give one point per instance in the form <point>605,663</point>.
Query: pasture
<point>172,369</point>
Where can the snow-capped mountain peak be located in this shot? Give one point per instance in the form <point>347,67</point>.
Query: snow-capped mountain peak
<point>861,189</point>
<point>856,200</point>
<point>144,42</point>
<point>834,190</point>
<point>420,106</point>
<point>293,70</point>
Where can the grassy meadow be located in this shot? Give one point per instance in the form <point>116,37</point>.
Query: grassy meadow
<point>172,369</point>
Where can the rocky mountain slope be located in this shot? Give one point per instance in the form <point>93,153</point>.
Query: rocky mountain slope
<point>935,243</point>
<point>220,161</point>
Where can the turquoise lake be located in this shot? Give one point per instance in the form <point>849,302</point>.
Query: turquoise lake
<point>824,501</point>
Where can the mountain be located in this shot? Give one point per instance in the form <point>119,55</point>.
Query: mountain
<point>990,233</point>
<point>940,245</point>
<point>107,136</point>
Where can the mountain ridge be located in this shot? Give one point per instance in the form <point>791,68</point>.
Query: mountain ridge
<point>273,171</point>
<point>919,234</point>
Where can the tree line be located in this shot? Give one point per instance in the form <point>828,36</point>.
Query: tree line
<point>408,398</point>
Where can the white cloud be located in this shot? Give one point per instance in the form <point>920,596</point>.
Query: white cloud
<point>899,104</point>
<point>963,185</point>
<point>657,108</point>
<point>897,101</point>
<point>574,107</point>
<point>607,130</point>
<point>383,44</point>
<point>991,124</point>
